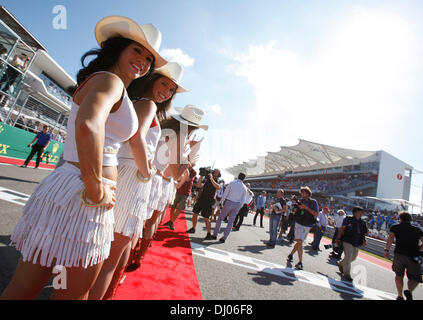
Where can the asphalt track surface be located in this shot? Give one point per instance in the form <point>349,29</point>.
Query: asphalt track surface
<point>242,268</point>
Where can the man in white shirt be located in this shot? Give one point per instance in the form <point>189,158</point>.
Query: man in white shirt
<point>235,195</point>
<point>338,225</point>
<point>321,228</point>
<point>243,212</point>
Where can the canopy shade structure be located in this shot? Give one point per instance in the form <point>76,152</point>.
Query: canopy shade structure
<point>306,155</point>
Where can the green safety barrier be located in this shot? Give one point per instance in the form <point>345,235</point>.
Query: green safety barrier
<point>14,144</point>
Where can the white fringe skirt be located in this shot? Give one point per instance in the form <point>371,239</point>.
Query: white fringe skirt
<point>131,200</point>
<point>56,225</point>
<point>155,195</point>
<point>166,194</point>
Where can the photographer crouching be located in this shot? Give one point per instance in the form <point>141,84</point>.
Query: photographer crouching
<point>209,184</point>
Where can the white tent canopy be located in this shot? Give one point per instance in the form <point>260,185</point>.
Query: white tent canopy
<point>306,155</point>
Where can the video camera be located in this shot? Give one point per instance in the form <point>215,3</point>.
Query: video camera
<point>335,247</point>
<point>204,171</point>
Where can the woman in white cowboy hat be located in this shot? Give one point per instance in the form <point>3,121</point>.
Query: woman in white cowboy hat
<point>152,97</point>
<point>68,220</point>
<point>171,162</point>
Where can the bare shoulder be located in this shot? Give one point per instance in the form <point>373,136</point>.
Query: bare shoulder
<point>102,83</point>
<point>145,104</point>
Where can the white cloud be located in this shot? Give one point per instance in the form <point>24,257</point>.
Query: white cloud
<point>177,55</point>
<point>349,93</point>
<point>216,108</point>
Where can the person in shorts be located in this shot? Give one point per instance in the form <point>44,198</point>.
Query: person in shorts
<point>182,194</point>
<point>305,217</point>
<point>407,254</point>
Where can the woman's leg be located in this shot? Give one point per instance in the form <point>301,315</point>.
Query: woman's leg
<point>79,281</point>
<point>117,249</point>
<point>27,282</point>
<point>120,269</point>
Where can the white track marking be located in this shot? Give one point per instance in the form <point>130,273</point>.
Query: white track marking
<point>289,273</point>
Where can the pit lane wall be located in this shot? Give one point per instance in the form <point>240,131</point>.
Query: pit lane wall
<point>14,147</point>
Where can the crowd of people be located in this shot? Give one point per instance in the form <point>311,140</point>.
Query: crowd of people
<point>326,184</point>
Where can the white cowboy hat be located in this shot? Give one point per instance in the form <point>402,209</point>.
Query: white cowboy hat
<point>190,115</point>
<point>174,72</point>
<point>145,34</point>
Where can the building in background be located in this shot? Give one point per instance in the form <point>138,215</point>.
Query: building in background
<point>374,179</point>
<point>34,89</point>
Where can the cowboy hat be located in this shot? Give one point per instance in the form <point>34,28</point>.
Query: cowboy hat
<point>145,34</point>
<point>174,72</point>
<point>190,115</point>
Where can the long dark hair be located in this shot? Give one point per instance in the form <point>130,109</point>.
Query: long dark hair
<point>106,57</point>
<point>138,88</point>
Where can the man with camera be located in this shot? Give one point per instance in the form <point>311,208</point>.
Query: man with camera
<point>306,213</point>
<point>206,198</point>
<point>278,209</point>
<point>407,254</point>
<point>352,234</point>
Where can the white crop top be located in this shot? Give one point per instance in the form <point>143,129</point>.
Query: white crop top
<point>120,126</point>
<point>152,139</point>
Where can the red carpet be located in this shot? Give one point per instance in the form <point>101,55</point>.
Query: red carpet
<point>20,162</point>
<point>167,272</point>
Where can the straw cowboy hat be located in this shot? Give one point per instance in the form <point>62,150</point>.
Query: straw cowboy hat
<point>174,72</point>
<point>190,115</point>
<point>145,34</point>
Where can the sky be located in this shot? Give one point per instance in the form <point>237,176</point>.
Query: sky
<point>267,73</point>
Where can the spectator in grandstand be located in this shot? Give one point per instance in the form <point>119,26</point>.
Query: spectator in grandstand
<point>182,193</point>
<point>320,228</point>
<point>352,234</point>
<point>205,201</point>
<point>305,216</point>
<point>277,211</point>
<point>407,254</point>
<point>261,201</point>
<point>43,139</point>
<point>236,194</point>
<point>379,221</point>
<point>243,212</point>
<point>338,225</point>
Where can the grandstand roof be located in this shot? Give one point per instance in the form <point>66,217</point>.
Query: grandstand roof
<point>306,155</point>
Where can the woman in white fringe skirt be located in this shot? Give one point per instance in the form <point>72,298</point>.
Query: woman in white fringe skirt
<point>68,220</point>
<point>152,97</point>
<point>171,162</point>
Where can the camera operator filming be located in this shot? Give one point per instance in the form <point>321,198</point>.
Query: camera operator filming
<point>209,184</point>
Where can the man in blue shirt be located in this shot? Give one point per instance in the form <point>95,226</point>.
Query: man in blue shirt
<point>261,201</point>
<point>43,139</point>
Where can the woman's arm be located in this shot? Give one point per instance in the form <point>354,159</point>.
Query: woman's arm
<point>97,102</point>
<point>146,110</point>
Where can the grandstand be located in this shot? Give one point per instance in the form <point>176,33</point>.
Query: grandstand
<point>34,91</point>
<point>374,176</point>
